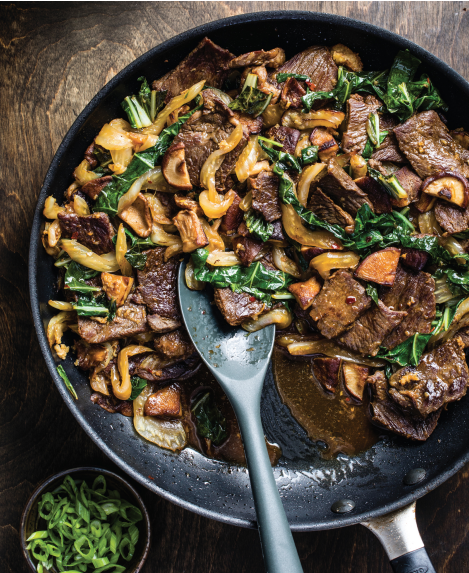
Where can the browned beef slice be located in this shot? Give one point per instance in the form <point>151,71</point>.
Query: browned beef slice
<point>94,188</point>
<point>410,182</point>
<point>428,145</point>
<point>130,319</point>
<point>389,150</point>
<point>415,294</point>
<point>292,93</point>
<point>175,344</point>
<point>247,249</point>
<point>112,404</point>
<point>278,234</point>
<point>368,332</point>
<point>157,284</point>
<point>251,125</point>
<point>206,62</point>
<point>330,309</point>
<point>413,258</point>
<point>464,336</point>
<point>451,218</point>
<point>233,217</point>
<point>441,376</point>
<point>325,208</point>
<point>151,368</point>
<point>198,146</point>
<point>161,324</point>
<point>358,111</point>
<point>236,307</point>
<point>89,355</point>
<point>272,58</point>
<point>315,62</point>
<point>341,187</point>
<point>91,157</point>
<point>384,412</point>
<point>287,136</point>
<point>265,197</point>
<point>380,200</point>
<point>222,179</point>
<point>94,231</point>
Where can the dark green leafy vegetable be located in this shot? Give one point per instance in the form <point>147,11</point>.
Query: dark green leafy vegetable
<point>86,530</point>
<point>258,226</point>
<point>75,277</point>
<point>251,100</point>
<point>138,384</point>
<point>280,78</point>
<point>135,255</point>
<point>373,292</point>
<point>88,305</point>
<point>210,422</point>
<point>255,279</point>
<point>68,384</point>
<point>282,159</point>
<point>142,162</point>
<point>309,155</point>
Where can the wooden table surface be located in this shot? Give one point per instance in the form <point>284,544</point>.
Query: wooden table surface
<point>54,57</point>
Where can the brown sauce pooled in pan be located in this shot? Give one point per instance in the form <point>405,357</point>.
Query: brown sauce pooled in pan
<point>231,450</point>
<point>334,419</point>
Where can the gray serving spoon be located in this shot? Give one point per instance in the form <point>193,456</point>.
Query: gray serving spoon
<point>239,361</point>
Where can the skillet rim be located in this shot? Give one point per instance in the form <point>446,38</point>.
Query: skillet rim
<point>279,15</point>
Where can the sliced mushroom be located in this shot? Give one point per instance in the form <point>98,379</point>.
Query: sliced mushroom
<point>187,203</point>
<point>165,403</point>
<point>305,292</point>
<point>117,287</point>
<point>138,216</point>
<point>355,379</point>
<point>380,267</point>
<point>191,231</point>
<point>449,186</point>
<point>344,56</point>
<point>328,146</point>
<point>461,136</point>
<point>174,167</point>
<point>359,166</point>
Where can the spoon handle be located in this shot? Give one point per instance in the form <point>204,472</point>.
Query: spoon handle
<point>278,547</point>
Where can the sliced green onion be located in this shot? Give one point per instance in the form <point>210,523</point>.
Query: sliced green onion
<point>271,141</point>
<point>372,128</point>
<point>67,382</point>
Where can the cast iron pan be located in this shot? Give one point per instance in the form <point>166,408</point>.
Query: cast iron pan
<point>309,486</point>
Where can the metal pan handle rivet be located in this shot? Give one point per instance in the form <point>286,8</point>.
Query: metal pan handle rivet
<point>414,476</point>
<point>343,506</point>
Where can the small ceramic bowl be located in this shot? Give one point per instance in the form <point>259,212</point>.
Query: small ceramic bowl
<point>30,518</point>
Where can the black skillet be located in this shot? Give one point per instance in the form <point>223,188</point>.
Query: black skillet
<point>317,494</point>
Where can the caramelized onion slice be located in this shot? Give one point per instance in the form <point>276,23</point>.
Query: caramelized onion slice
<point>295,229</point>
<point>279,316</point>
<point>330,348</point>
<point>218,208</point>
<point>58,324</point>
<point>178,101</point>
<point>51,208</point>
<point>123,388</point>
<point>121,250</point>
<point>308,175</point>
<point>131,195</point>
<point>247,159</point>
<point>81,254</point>
<point>327,261</point>
<point>223,259</point>
<point>324,117</point>
<point>191,282</point>
<point>80,206</point>
<point>283,263</point>
<point>168,434</point>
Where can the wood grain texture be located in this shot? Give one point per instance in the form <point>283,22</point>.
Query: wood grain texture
<point>53,58</point>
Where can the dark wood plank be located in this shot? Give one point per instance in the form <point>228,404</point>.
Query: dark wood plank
<point>54,57</point>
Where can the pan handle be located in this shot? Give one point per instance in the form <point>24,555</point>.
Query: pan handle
<point>400,537</point>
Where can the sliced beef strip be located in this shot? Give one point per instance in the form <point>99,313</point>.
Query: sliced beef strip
<point>94,188</point>
<point>175,344</point>
<point>325,208</point>
<point>207,61</point>
<point>429,147</point>
<point>251,125</point>
<point>358,111</point>
<point>91,157</point>
<point>157,284</point>
<point>130,319</point>
<point>233,217</point>
<point>380,200</point>
<point>161,324</point>
<point>237,307</point>
<point>272,58</point>
<point>384,412</point>
<point>265,198</point>
<point>389,150</point>
<point>414,293</point>
<point>292,93</point>
<point>278,233</point>
<point>177,370</point>
<point>341,187</point>
<point>112,404</point>
<point>89,355</point>
<point>287,136</point>
<point>451,218</point>
<point>410,182</point>
<point>315,62</point>
<point>441,376</point>
<point>94,231</point>
<point>368,332</point>
<point>247,249</point>
<point>223,181</point>
<point>330,308</point>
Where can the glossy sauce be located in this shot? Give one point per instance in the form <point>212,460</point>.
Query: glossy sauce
<point>334,419</point>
